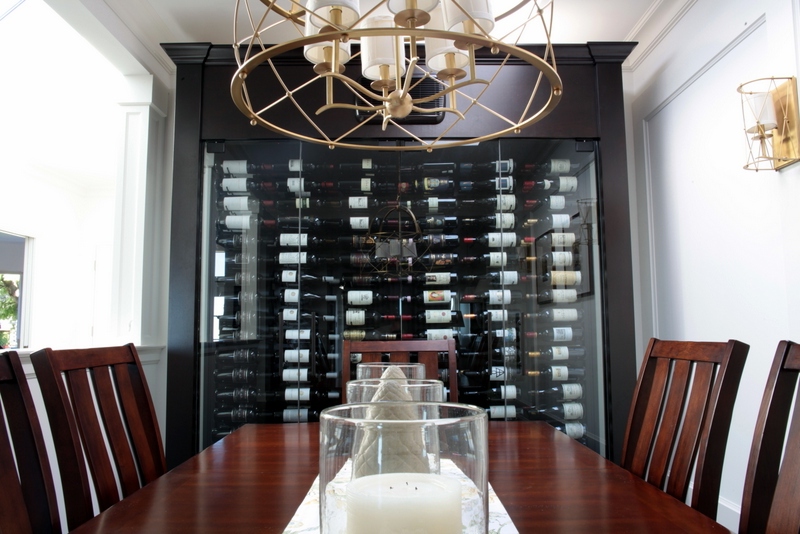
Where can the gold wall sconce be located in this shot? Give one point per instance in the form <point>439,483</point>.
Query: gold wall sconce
<point>770,115</point>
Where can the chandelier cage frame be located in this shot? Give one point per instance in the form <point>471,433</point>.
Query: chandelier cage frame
<point>388,99</point>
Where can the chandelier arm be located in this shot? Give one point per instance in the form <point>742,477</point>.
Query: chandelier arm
<point>527,20</point>
<point>407,82</point>
<point>513,10</point>
<point>355,85</point>
<point>450,89</point>
<point>532,96</point>
<point>289,15</point>
<point>356,107</point>
<point>436,110</point>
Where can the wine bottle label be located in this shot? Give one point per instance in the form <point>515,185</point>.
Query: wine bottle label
<point>293,240</point>
<point>366,163</point>
<point>437,279</point>
<point>508,278</point>
<point>437,316</point>
<point>508,334</point>
<point>286,258</point>
<point>497,374</point>
<point>290,314</point>
<point>574,430</point>
<point>437,296</point>
<point>441,258</point>
<point>359,298</point>
<point>565,278</point>
<point>504,221</point>
<point>502,412</point>
<point>359,223</point>
<point>498,259</point>
<point>236,203</point>
<point>234,185</point>
<point>236,167</point>
<point>558,202</point>
<point>503,166</point>
<point>506,202</point>
<point>565,314</point>
<point>295,375</point>
<point>562,239</point>
<point>355,317</point>
<point>561,220</point>
<point>295,165</point>
<point>501,239</point>
<point>358,203</point>
<point>565,295</point>
<point>572,410</point>
<point>238,222</point>
<point>366,184</point>
<point>296,355</point>
<point>547,184</point>
<point>297,394</point>
<point>436,334</point>
<point>295,415</point>
<point>303,333</point>
<point>562,333</point>
<point>560,372</point>
<point>499,296</point>
<point>562,259</point>
<point>434,184</point>
<point>559,166</point>
<point>571,391</point>
<point>433,205</point>
<point>301,203</point>
<point>289,277</point>
<point>295,185</point>
<point>508,392</point>
<point>568,184</point>
<point>509,351</point>
<point>497,315</point>
<point>560,353</point>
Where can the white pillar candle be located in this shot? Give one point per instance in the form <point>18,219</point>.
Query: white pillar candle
<point>400,503</point>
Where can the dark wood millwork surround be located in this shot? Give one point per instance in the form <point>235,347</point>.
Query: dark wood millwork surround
<point>591,109</point>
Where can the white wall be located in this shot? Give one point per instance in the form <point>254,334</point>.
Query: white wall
<point>717,244</point>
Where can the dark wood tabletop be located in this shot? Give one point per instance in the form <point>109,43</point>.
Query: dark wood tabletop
<point>254,479</point>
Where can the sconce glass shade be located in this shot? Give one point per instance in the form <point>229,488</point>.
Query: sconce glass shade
<point>770,116</point>
<point>349,12</point>
<point>436,50</point>
<point>380,50</point>
<point>457,20</point>
<point>315,53</point>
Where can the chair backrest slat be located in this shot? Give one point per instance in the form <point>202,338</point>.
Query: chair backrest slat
<point>680,417</point>
<point>28,502</point>
<point>772,486</point>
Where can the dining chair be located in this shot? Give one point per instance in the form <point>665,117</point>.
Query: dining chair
<point>680,417</point>
<point>28,502</point>
<point>400,351</point>
<point>771,486</point>
<point>101,414</point>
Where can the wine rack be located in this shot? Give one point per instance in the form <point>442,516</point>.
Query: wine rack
<point>495,245</point>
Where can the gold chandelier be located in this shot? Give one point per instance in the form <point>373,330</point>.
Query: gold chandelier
<point>450,31</point>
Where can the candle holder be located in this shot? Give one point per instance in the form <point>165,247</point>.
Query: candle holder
<point>392,389</point>
<point>376,369</point>
<point>403,467</point>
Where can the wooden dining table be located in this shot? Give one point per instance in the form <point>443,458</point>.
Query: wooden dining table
<point>254,480</point>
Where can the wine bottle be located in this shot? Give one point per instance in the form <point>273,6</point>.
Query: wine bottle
<point>241,167</point>
<point>557,333</point>
<point>498,240</point>
<point>430,205</point>
<point>432,279</point>
<point>294,315</point>
<point>556,240</point>
<point>240,375</point>
<point>301,258</point>
<point>559,373</point>
<point>505,411</point>
<point>240,223</point>
<point>498,203</point>
<point>497,373</point>
<point>559,259</point>
<point>353,203</point>
<point>501,184</point>
<point>555,296</point>
<point>307,222</point>
<point>239,204</point>
<point>303,240</point>
<point>441,316</point>
<point>295,186</point>
<point>561,278</point>
<point>498,259</point>
<point>500,166</point>
<point>434,296</point>
<point>360,317</point>
<point>560,184</point>
<point>438,241</point>
<point>435,334</point>
<point>429,185</point>
<point>502,352</point>
<point>438,259</point>
<point>489,395</point>
<point>559,392</point>
<point>245,415</point>
<point>571,429</point>
<point>552,221</point>
<point>304,374</point>
<point>564,410</point>
<point>367,185</point>
<point>285,205</point>
<point>247,396</point>
<point>489,316</point>
<point>559,353</point>
<point>556,315</point>
<point>430,223</point>
<point>371,335</point>
<point>367,298</point>
<point>293,276</point>
<point>497,278</point>
<point>498,221</point>
<point>552,203</point>
<point>239,356</point>
<point>494,297</point>
<point>553,166</point>
<point>368,280</point>
<point>292,295</point>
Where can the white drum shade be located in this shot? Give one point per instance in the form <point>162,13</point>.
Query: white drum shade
<point>349,8</point>
<point>396,6</point>
<point>316,53</point>
<point>480,10</point>
<point>435,49</point>
<point>380,50</point>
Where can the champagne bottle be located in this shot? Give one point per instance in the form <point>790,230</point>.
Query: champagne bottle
<point>498,240</point>
<point>557,333</point>
<point>555,296</point>
<point>559,373</point>
<point>556,315</point>
<point>563,410</point>
<point>559,353</point>
<point>559,392</point>
<point>552,203</point>
<point>560,184</point>
<point>498,221</point>
<point>489,395</point>
<point>494,297</point>
<point>552,166</point>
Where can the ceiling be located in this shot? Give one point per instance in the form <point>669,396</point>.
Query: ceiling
<point>164,21</point>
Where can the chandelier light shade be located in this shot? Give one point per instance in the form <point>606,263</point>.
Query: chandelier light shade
<point>770,116</point>
<point>365,62</point>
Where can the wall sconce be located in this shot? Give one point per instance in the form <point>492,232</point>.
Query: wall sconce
<point>769,112</point>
